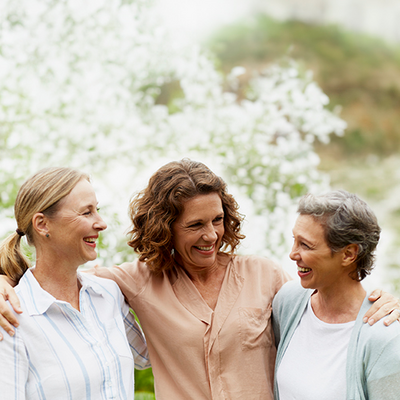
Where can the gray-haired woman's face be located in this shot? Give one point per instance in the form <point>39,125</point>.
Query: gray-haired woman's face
<point>317,266</point>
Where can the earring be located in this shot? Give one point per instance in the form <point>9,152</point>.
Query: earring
<point>47,235</point>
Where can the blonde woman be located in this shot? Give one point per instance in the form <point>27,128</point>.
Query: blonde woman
<point>71,342</point>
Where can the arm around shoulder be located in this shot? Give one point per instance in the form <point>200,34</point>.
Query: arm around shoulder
<point>131,277</point>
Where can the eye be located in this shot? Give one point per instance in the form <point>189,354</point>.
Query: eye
<point>219,219</point>
<point>90,212</point>
<point>306,246</point>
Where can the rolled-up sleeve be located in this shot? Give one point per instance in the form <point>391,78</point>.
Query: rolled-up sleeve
<point>136,340</point>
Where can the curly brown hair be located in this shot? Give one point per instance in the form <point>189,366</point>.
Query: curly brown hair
<point>155,208</point>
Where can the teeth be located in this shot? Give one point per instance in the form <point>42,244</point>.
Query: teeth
<point>205,248</point>
<point>303,269</point>
<point>90,240</point>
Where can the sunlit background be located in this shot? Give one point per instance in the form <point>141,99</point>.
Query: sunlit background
<point>361,39</point>
<point>279,97</point>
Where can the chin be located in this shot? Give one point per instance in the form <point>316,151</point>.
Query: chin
<point>306,285</point>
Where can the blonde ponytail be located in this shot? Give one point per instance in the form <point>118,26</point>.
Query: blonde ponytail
<point>13,262</point>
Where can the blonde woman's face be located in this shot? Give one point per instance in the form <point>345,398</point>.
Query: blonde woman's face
<point>75,228</point>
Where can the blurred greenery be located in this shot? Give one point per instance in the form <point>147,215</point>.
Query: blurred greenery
<point>144,396</point>
<point>359,73</point>
<point>144,382</point>
<point>361,76</point>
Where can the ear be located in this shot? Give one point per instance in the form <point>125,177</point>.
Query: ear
<point>350,253</point>
<point>40,224</point>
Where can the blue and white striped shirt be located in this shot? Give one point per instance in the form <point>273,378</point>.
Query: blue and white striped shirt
<point>60,353</point>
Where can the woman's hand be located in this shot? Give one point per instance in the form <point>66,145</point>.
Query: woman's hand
<point>7,317</point>
<point>384,305</point>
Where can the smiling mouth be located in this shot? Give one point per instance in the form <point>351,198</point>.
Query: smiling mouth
<point>205,248</point>
<point>90,240</point>
<point>301,269</point>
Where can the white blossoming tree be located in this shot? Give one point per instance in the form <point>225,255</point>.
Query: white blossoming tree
<point>99,85</point>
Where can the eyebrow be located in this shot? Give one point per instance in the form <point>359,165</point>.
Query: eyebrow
<point>89,206</point>
<point>200,220</point>
<point>301,237</point>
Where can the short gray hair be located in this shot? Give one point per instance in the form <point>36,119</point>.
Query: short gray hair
<point>346,219</point>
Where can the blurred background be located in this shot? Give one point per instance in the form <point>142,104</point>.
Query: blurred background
<point>352,49</point>
<point>280,98</point>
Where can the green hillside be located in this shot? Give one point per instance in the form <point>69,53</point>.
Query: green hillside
<point>357,72</point>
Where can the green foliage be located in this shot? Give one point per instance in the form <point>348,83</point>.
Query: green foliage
<point>144,396</point>
<point>144,382</point>
<point>356,71</point>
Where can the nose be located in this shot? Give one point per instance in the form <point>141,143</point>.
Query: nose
<point>294,254</point>
<point>100,225</point>
<point>209,234</point>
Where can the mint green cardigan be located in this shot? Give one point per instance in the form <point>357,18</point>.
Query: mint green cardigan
<point>373,358</point>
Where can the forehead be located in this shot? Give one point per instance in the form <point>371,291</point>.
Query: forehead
<point>308,227</point>
<point>202,204</point>
<point>80,196</point>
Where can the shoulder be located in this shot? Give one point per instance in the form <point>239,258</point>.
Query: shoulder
<point>290,296</point>
<point>134,271</point>
<point>378,335</point>
<point>99,283</point>
<point>378,347</point>
<point>260,271</point>
<point>292,290</point>
<point>131,277</point>
<point>261,268</point>
<point>251,262</point>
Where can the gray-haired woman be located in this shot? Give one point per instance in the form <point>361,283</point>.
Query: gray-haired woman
<point>325,350</point>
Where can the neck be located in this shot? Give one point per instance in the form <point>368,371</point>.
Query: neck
<point>60,282</point>
<point>204,274</point>
<point>338,304</point>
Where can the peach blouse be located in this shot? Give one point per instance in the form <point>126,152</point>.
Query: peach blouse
<point>198,353</point>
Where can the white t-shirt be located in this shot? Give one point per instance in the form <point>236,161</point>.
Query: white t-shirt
<point>314,364</point>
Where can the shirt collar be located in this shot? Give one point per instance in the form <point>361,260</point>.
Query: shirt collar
<point>38,301</point>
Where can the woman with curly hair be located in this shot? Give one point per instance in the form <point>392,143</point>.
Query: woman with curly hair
<point>205,311</point>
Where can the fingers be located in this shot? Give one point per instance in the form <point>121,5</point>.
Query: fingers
<point>7,317</point>
<point>392,317</point>
<point>6,326</point>
<point>14,301</point>
<point>386,305</point>
<point>375,295</point>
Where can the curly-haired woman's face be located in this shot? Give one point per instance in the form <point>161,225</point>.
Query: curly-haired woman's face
<point>198,231</point>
